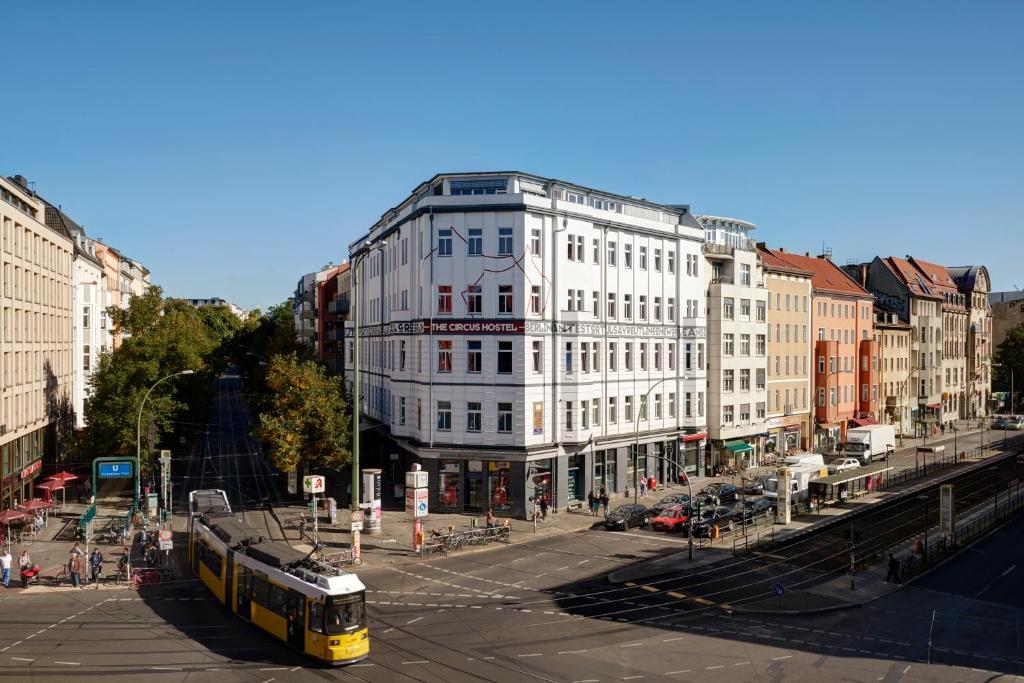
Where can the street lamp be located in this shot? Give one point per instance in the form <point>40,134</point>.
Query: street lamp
<point>138,429</point>
<point>357,260</point>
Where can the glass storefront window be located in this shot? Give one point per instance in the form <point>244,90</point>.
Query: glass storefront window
<point>499,483</point>
<point>609,470</point>
<point>575,491</point>
<point>538,476</point>
<point>598,471</point>
<point>449,484</point>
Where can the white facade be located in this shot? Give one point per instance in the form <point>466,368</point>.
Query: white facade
<point>90,340</point>
<point>530,315</point>
<point>216,301</point>
<point>737,334</point>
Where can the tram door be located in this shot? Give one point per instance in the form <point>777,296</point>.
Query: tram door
<point>244,592</point>
<point>296,612</point>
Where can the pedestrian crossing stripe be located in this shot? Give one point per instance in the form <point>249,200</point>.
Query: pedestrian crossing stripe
<point>650,589</point>
<point>703,601</point>
<point>677,595</point>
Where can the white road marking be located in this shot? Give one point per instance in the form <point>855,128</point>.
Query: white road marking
<point>631,645</point>
<point>387,631</point>
<point>1009,569</point>
<point>68,663</point>
<point>776,659</point>
<point>571,652</point>
<point>362,665</point>
<point>673,673</point>
<point>711,668</point>
<point>630,678</point>
<point>22,659</point>
<point>274,668</point>
<point>741,663</point>
<point>413,621</point>
<point>165,668</point>
<point>418,661</point>
<point>531,654</point>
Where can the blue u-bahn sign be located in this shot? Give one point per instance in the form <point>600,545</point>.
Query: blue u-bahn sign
<point>116,470</point>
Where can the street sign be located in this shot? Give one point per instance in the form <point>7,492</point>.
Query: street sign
<point>416,480</point>
<point>115,470</point>
<point>946,513</point>
<point>416,502</point>
<point>778,589</point>
<point>313,483</point>
<point>166,542</point>
<point>357,526</point>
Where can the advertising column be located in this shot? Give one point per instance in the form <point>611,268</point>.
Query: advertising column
<point>371,500</point>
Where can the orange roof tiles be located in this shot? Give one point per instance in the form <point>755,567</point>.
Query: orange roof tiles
<point>825,275</point>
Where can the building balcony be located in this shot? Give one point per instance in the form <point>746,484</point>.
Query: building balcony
<point>339,306</point>
<point>335,335</point>
<point>722,280</point>
<point>307,312</point>
<point>306,332</point>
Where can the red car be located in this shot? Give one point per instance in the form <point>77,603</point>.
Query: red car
<point>673,518</point>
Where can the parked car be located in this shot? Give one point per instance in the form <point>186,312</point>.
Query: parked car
<point>754,487</point>
<point>1015,422</point>
<point>999,422</point>
<point>672,518</point>
<point>669,501</point>
<point>749,509</point>
<point>720,516</point>
<point>843,464</point>
<point>626,516</point>
<point>724,493</point>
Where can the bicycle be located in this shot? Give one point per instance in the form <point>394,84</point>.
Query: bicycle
<point>145,578</point>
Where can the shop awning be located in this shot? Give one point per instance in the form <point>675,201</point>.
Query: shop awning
<point>687,438</point>
<point>738,446</point>
<point>863,421</point>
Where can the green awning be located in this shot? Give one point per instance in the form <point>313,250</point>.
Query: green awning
<point>738,446</point>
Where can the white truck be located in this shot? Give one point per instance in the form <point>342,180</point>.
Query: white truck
<point>870,443</point>
<point>800,475</point>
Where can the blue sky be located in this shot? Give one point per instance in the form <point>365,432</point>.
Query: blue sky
<point>233,146</point>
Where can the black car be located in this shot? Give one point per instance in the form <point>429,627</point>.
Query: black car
<point>749,509</point>
<point>720,516</point>
<point>626,516</point>
<point>754,487</point>
<point>724,493</point>
<point>669,501</point>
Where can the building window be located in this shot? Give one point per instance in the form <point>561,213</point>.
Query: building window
<point>85,317</point>
<point>476,242</point>
<point>728,344</point>
<point>657,260</point>
<point>643,258</point>
<point>538,356</point>
<point>670,314</point>
<point>504,357</point>
<point>642,303</point>
<point>643,355</point>
<point>688,404</point>
<point>568,416</point>
<point>627,255</point>
<point>727,414</point>
<point>629,356</point>
<point>444,299</point>
<point>611,253</point>
<point>401,410</point>
<point>613,409</point>
<point>671,355</point>
<point>505,418</point>
<point>597,251</point>
<point>745,274</point>
<point>504,299</point>
<point>611,305</point>
<point>474,417</point>
<point>579,248</point>
<point>657,308</point>
<point>444,242</point>
<point>535,241</point>
<point>596,350</point>
<point>657,406</point>
<point>570,248</point>
<point>584,357</point>
<point>584,414</point>
<point>627,306</point>
<point>760,410</point>
<point>744,344</point>
<point>671,401</point>
<point>728,308</point>
<point>444,356</point>
<point>568,357</point>
<point>475,299</point>
<point>759,378</point>
<point>760,345</point>
<point>611,356</point>
<point>728,380</point>
<point>657,356</point>
<point>745,379</point>
<point>475,356</point>
<point>444,416</point>
<point>504,241</point>
<point>535,299</point>
<point>671,270</point>
<point>596,411</point>
<point>745,309</point>
<point>401,355</point>
<point>597,303</point>
<point>86,355</point>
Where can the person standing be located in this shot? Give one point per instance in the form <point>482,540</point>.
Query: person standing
<point>603,499</point>
<point>543,508</point>
<point>5,563</point>
<point>643,487</point>
<point>96,564</point>
<point>894,570</point>
<point>75,568</point>
<point>592,504</point>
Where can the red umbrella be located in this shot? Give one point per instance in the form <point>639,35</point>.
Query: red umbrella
<point>8,517</point>
<point>34,504</point>
<point>52,485</point>
<point>62,476</point>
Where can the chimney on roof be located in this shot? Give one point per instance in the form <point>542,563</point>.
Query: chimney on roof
<point>782,250</point>
<point>863,268</point>
<point>807,254</point>
<point>21,180</point>
<point>762,245</point>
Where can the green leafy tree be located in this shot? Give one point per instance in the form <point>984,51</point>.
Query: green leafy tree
<point>1009,358</point>
<point>306,422</point>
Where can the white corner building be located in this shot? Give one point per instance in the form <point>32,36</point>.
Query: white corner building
<point>516,332</point>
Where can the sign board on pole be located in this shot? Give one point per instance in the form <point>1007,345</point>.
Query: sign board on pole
<point>293,482</point>
<point>166,542</point>
<point>416,502</point>
<point>946,513</point>
<point>115,470</point>
<point>313,483</point>
<point>416,480</point>
<point>357,526</point>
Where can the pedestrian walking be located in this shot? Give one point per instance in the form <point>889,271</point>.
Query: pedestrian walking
<point>543,508</point>
<point>151,555</point>
<point>77,550</point>
<point>894,570</point>
<point>75,569</point>
<point>943,428</point>
<point>603,499</point>
<point>96,564</point>
<point>5,563</point>
<point>643,486</point>
<point>593,502</point>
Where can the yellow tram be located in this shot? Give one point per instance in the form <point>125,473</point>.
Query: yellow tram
<point>312,607</point>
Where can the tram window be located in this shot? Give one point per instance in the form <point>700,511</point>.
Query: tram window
<point>277,600</point>
<point>316,617</point>
<point>260,592</point>
<point>345,614</point>
<point>244,581</point>
<point>211,559</point>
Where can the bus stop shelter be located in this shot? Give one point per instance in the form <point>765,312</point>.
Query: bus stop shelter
<point>843,486</point>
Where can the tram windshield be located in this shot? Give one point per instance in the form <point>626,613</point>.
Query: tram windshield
<point>346,614</point>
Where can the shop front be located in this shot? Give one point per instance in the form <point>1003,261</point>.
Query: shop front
<point>691,448</point>
<point>738,454</point>
<point>22,460</point>
<point>783,439</point>
<point>826,437</point>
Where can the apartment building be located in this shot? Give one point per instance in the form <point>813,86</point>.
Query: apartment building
<point>974,284</point>
<point>1007,313</point>
<point>845,354</point>
<point>519,334</point>
<point>332,301</point>
<point>900,287</point>
<point>737,326</point>
<point>790,391</point>
<point>306,306</point>
<point>37,338</point>
<point>238,311</point>
<point>894,372</point>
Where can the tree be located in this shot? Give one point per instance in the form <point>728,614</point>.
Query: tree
<point>306,423</point>
<point>1009,358</point>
